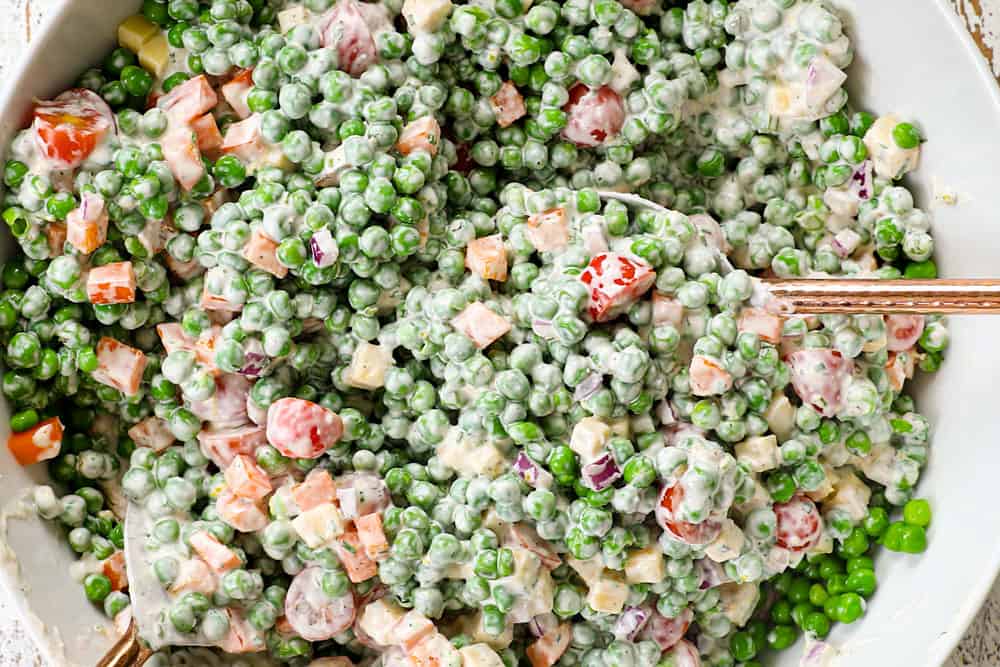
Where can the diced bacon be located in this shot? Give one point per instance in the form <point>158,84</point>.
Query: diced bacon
<point>87,224</point>
<point>244,514</point>
<point>818,377</point>
<point>799,524</point>
<point>594,115</point>
<point>615,282</point>
<point>508,104</point>
<point>173,337</point>
<point>708,377</point>
<point>119,366</point>
<point>343,27</point>
<point>244,140</point>
<point>316,489</point>
<point>216,555</point>
<point>227,407</point>
<point>193,576</point>
<point>547,650</point>
<point>69,128</point>
<point>55,233</point>
<point>39,443</point>
<point>759,321</point>
<point>903,331</point>
<point>111,283</point>
<point>189,100</point>
<point>204,347</point>
<point>420,134</point>
<point>242,637</point>
<point>152,432</point>
<point>667,310</point>
<point>312,613</point>
<point>182,156</point>
<point>353,557</point>
<point>487,258</point>
<point>899,368</point>
<point>481,324</point>
<point>222,445</point>
<point>235,92</point>
<point>372,536</point>
<point>262,253</point>
<point>207,135</point>
<point>247,479</point>
<point>302,429</point>
<point>113,567</point>
<point>549,231</point>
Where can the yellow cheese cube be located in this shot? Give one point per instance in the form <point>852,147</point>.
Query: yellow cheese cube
<point>608,594</point>
<point>759,452</point>
<point>319,525</point>
<point>849,494</point>
<point>589,437</point>
<point>621,427</point>
<point>479,655</point>
<point>737,601</point>
<point>473,627</point>
<point>291,17</point>
<point>728,544</point>
<point>780,416</point>
<point>135,31</point>
<point>155,55</point>
<point>379,620</point>
<point>368,366</point>
<point>590,570</point>
<point>426,15</point>
<point>469,458</point>
<point>645,566</point>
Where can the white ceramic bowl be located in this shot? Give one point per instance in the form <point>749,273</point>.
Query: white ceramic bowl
<point>914,58</point>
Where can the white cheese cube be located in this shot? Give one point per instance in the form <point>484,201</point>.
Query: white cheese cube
<point>621,427</point>
<point>468,458</point>
<point>780,416</point>
<point>473,627</point>
<point>425,15</point>
<point>458,571</point>
<point>608,594</point>
<point>880,464</point>
<point>590,570</point>
<point>890,161</point>
<point>850,494</point>
<point>737,601</point>
<point>589,437</point>
<point>479,655</point>
<point>319,525</point>
<point>293,16</point>
<point>368,366</point>
<point>537,600</point>
<point>623,73</point>
<point>646,566</point>
<point>759,452</point>
<point>728,544</point>
<point>379,619</point>
<point>826,488</point>
<point>526,570</point>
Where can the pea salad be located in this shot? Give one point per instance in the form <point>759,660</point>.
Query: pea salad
<point>330,291</point>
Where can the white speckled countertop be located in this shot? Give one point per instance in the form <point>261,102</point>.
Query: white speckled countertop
<point>980,647</point>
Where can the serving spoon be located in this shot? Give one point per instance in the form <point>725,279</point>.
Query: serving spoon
<point>862,296</point>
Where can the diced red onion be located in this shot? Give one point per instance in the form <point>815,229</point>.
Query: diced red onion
<point>323,248</point>
<point>588,387</point>
<point>630,623</point>
<point>543,328</point>
<point>255,361</point>
<point>712,574</point>
<point>601,473</point>
<point>531,473</point>
<point>861,181</point>
<point>817,653</point>
<point>542,624</point>
<point>823,78</point>
<point>665,413</point>
<point>845,242</point>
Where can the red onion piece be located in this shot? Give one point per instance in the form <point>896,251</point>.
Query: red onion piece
<point>588,387</point>
<point>323,248</point>
<point>861,181</point>
<point>845,242</point>
<point>601,473</point>
<point>255,361</point>
<point>543,328</point>
<point>531,473</point>
<point>665,413</point>
<point>630,623</point>
<point>712,574</point>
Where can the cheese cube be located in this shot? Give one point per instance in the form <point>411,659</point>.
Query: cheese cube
<point>426,15</point>
<point>728,544</point>
<point>879,464</point>
<point>468,458</point>
<point>458,571</point>
<point>527,567</point>
<point>850,494</point>
<point>293,16</point>
<point>589,437</point>
<point>135,31</point>
<point>759,452</point>
<point>737,601</point>
<point>590,570</point>
<point>434,651</point>
<point>760,498</point>
<point>645,566</point>
<point>608,594</point>
<point>540,598</point>
<point>368,366</point>
<point>780,416</point>
<point>319,525</point>
<point>623,73</point>
<point>875,345</point>
<point>412,629</point>
<point>479,655</point>
<point>826,488</point>
<point>379,620</point>
<point>621,427</point>
<point>889,159</point>
<point>473,627</point>
<point>823,546</point>
<point>499,526</point>
<point>155,55</point>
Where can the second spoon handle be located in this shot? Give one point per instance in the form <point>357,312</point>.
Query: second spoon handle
<point>956,296</point>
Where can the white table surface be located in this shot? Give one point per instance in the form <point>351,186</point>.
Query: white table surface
<point>980,647</point>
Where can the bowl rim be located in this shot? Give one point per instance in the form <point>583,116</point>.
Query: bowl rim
<point>34,628</point>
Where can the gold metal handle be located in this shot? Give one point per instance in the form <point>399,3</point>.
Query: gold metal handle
<point>837,295</point>
<point>128,651</point>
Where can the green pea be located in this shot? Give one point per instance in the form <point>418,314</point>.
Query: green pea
<point>917,512</point>
<point>97,587</point>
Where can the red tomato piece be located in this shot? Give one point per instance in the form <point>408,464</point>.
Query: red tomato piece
<point>695,534</point>
<point>302,429</point>
<point>903,331</point>
<point>818,376</point>
<point>68,129</point>
<point>799,523</point>
<point>666,632</point>
<point>312,613</point>
<point>594,115</point>
<point>344,28</point>
<point>615,282</point>
<point>39,443</point>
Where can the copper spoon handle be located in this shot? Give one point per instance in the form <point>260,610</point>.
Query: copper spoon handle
<point>957,296</point>
<point>128,651</point>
